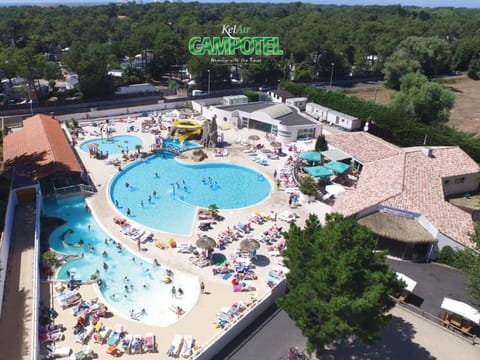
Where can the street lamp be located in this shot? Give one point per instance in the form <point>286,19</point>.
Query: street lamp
<point>331,75</point>
<point>208,92</point>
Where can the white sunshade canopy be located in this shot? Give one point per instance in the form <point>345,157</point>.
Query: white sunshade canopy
<point>334,189</point>
<point>464,310</point>
<point>410,282</point>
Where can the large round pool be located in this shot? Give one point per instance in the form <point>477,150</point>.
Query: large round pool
<point>114,145</point>
<point>163,194</point>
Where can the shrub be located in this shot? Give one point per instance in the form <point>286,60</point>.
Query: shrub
<point>308,186</point>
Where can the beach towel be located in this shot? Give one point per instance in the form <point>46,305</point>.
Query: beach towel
<point>227,276</point>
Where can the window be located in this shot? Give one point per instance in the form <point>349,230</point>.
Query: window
<point>459,180</point>
<point>447,182</point>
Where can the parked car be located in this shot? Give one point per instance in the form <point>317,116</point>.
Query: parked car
<point>265,88</point>
<point>199,93</point>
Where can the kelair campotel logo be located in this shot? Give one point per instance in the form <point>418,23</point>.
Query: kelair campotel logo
<point>232,44</point>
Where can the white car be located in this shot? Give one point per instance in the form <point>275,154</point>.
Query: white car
<point>199,93</point>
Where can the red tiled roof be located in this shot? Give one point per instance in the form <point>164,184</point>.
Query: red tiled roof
<point>40,143</point>
<point>409,180</point>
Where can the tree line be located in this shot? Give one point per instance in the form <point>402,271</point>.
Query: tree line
<point>357,40</point>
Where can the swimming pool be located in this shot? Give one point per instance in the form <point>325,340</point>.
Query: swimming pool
<point>179,146</point>
<point>163,193</point>
<point>149,292</point>
<point>115,146</point>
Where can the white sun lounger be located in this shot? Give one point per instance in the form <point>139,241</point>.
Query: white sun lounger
<point>176,346</point>
<point>187,346</point>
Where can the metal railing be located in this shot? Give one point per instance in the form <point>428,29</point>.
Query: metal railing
<point>74,189</point>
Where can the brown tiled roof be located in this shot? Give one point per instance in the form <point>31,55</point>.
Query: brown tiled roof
<point>362,146</point>
<point>40,143</point>
<point>409,180</point>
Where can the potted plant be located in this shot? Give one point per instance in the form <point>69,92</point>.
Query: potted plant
<point>50,262</point>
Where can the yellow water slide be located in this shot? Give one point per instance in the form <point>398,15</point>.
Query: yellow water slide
<point>187,128</point>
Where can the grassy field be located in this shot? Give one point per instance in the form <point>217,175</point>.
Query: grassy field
<point>464,116</point>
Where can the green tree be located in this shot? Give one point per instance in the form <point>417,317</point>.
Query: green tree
<point>474,69</point>
<point>308,186</point>
<point>321,143</point>
<point>426,101</point>
<point>397,65</point>
<point>338,286</point>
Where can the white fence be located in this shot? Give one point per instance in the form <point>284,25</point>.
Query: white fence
<point>36,277</point>
<point>5,242</point>
<point>97,114</point>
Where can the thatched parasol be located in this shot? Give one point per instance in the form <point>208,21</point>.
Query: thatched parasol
<point>249,244</point>
<point>93,146</point>
<point>206,242</point>
<point>276,144</point>
<point>254,138</point>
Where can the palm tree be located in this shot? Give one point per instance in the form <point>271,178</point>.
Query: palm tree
<point>138,148</point>
<point>213,210</point>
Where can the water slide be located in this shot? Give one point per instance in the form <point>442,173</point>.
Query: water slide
<point>187,128</point>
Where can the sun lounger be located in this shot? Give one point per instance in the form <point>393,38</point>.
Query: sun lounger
<point>187,346</point>
<point>83,336</point>
<point>124,345</point>
<point>114,351</point>
<point>114,338</point>
<point>176,346</point>
<point>54,352</point>
<point>85,354</point>
<point>149,344</point>
<point>136,346</point>
<point>101,336</point>
<point>51,337</point>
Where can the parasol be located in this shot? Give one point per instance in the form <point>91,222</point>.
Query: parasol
<point>249,244</point>
<point>206,242</point>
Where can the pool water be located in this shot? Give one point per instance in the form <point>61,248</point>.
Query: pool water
<point>149,292</point>
<point>179,146</point>
<point>115,146</point>
<point>163,193</point>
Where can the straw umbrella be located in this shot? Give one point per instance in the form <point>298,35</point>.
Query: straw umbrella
<point>249,244</point>
<point>206,242</point>
<point>254,138</point>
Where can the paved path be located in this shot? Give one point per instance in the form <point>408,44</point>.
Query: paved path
<point>407,336</point>
<point>434,282</point>
<point>16,320</point>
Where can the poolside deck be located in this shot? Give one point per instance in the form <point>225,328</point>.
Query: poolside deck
<point>199,321</point>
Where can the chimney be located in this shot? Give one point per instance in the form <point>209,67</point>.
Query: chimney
<point>427,151</point>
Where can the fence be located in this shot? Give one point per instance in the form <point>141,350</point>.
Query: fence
<point>35,350</point>
<point>472,339</point>
<point>73,190</point>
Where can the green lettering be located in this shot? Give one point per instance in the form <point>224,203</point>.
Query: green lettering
<point>276,47</point>
<point>235,44</point>
<point>247,46</point>
<point>267,46</point>
<point>221,46</point>
<point>192,45</point>
<point>207,46</point>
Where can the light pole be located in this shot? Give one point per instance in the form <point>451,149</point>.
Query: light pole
<point>208,92</point>
<point>331,75</point>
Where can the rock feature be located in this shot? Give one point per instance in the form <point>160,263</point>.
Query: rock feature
<point>210,133</point>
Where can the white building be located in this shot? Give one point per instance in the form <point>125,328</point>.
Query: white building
<point>235,99</point>
<point>333,117</point>
<point>297,102</point>
<point>286,123</point>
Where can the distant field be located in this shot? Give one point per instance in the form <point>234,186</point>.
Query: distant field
<point>464,116</point>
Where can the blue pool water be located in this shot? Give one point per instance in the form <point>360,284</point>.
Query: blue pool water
<point>149,291</point>
<point>179,146</point>
<point>181,188</point>
<point>115,146</point>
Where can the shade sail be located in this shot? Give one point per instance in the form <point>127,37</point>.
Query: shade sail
<point>311,156</point>
<point>317,171</point>
<point>410,282</point>
<point>462,309</point>
<point>338,167</point>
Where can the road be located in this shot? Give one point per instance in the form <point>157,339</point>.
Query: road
<point>274,333</point>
